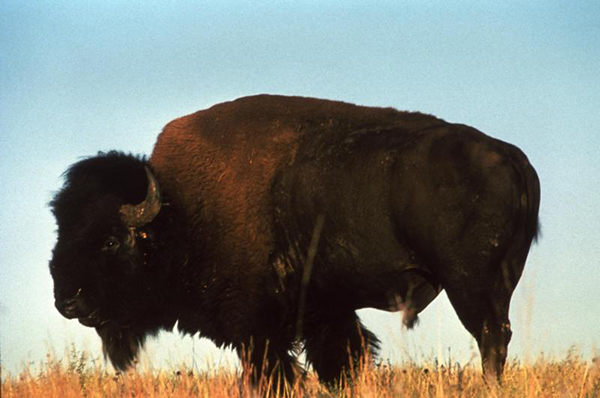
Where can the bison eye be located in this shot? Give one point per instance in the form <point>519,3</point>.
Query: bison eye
<point>111,245</point>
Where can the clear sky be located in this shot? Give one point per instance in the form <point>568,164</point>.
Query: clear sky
<point>78,77</point>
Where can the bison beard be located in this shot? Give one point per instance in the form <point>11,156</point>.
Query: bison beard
<point>266,222</point>
<point>121,345</point>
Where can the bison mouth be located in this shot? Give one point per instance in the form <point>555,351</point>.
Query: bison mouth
<point>77,307</point>
<point>93,320</point>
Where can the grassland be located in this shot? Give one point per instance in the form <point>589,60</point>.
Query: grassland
<point>78,376</point>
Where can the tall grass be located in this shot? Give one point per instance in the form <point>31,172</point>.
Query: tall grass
<point>77,375</point>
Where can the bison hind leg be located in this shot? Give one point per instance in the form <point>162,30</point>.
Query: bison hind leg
<point>338,346</point>
<point>485,316</point>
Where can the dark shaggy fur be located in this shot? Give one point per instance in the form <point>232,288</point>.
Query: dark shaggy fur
<point>281,216</point>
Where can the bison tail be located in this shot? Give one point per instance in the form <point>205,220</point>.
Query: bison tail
<point>528,225</point>
<point>532,192</point>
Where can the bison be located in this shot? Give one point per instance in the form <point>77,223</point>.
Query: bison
<point>264,223</point>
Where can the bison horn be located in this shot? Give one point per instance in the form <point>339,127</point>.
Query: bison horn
<point>143,213</point>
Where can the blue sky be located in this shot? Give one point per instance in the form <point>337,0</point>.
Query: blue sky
<point>80,77</point>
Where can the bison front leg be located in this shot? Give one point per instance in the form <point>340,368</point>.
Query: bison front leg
<point>338,345</point>
<point>268,364</point>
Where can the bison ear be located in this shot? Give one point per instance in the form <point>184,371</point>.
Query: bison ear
<point>143,213</point>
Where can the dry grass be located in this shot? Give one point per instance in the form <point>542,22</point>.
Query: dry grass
<point>77,376</point>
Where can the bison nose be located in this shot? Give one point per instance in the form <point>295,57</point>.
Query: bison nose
<point>69,308</point>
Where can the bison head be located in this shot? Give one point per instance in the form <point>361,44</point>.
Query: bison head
<point>102,265</point>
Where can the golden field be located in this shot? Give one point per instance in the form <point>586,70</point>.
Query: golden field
<point>77,376</point>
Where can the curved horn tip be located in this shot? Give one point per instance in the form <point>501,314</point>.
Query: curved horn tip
<point>144,212</point>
